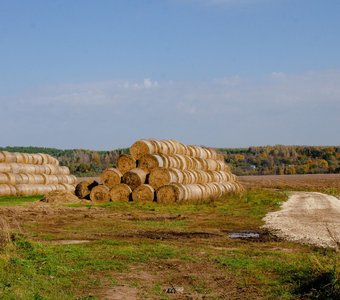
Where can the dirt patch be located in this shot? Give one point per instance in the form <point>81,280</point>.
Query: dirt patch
<point>120,292</point>
<point>193,280</point>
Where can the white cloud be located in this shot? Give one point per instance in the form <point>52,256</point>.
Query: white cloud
<point>281,108</point>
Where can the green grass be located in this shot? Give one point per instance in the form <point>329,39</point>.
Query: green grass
<point>29,270</point>
<point>9,201</point>
<point>280,270</point>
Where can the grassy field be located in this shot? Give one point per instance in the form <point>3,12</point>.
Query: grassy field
<point>131,251</point>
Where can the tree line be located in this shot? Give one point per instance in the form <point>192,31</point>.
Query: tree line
<point>283,160</point>
<point>265,160</point>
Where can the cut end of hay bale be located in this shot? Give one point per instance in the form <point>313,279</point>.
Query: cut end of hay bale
<point>134,178</point>
<point>83,188</point>
<point>121,192</point>
<point>100,193</point>
<point>161,176</point>
<point>168,194</point>
<point>142,147</point>
<point>125,163</point>
<point>111,177</point>
<point>143,193</point>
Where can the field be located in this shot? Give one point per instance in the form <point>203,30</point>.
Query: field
<point>130,251</point>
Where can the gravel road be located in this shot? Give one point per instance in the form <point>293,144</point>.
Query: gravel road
<point>311,218</point>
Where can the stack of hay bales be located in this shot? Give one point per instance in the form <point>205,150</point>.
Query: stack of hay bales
<point>166,171</point>
<point>23,174</point>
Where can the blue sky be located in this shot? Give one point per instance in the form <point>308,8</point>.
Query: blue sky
<point>102,74</point>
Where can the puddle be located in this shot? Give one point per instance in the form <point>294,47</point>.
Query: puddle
<point>251,235</point>
<point>244,235</point>
<point>69,242</point>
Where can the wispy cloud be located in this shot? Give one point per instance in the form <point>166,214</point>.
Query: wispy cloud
<point>232,111</point>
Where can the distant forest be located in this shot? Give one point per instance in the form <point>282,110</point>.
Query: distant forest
<point>266,160</point>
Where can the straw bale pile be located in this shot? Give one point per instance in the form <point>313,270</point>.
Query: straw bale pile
<point>24,174</point>
<point>166,171</point>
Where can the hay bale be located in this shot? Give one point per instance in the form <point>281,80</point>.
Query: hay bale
<point>125,163</point>
<point>83,188</point>
<point>68,187</point>
<point>9,157</point>
<point>148,162</point>
<point>100,193</point>
<point>26,189</point>
<point>162,176</point>
<point>50,179</point>
<point>3,178</point>
<point>143,193</point>
<point>121,192</point>
<point>2,157</point>
<point>134,178</point>
<point>171,193</point>
<point>5,168</point>
<point>60,197</point>
<point>7,190</point>
<point>142,147</point>
<point>111,177</point>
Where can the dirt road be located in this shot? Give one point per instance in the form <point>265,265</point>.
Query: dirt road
<point>307,217</point>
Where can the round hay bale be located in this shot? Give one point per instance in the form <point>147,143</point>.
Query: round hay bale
<point>125,163</point>
<point>143,193</point>
<point>5,168</point>
<point>71,179</point>
<point>37,159</point>
<point>100,193</point>
<point>35,178</point>
<point>148,162</point>
<point>7,190</point>
<point>142,147</point>
<point>111,177</point>
<point>162,176</point>
<point>22,178</point>
<point>83,188</point>
<point>121,192</point>
<point>20,158</point>
<point>26,189</point>
<point>63,170</point>
<point>68,187</point>
<point>29,158</point>
<point>50,179</point>
<point>134,178</point>
<point>11,179</point>
<point>9,157</point>
<point>171,193</point>
<point>3,178</point>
